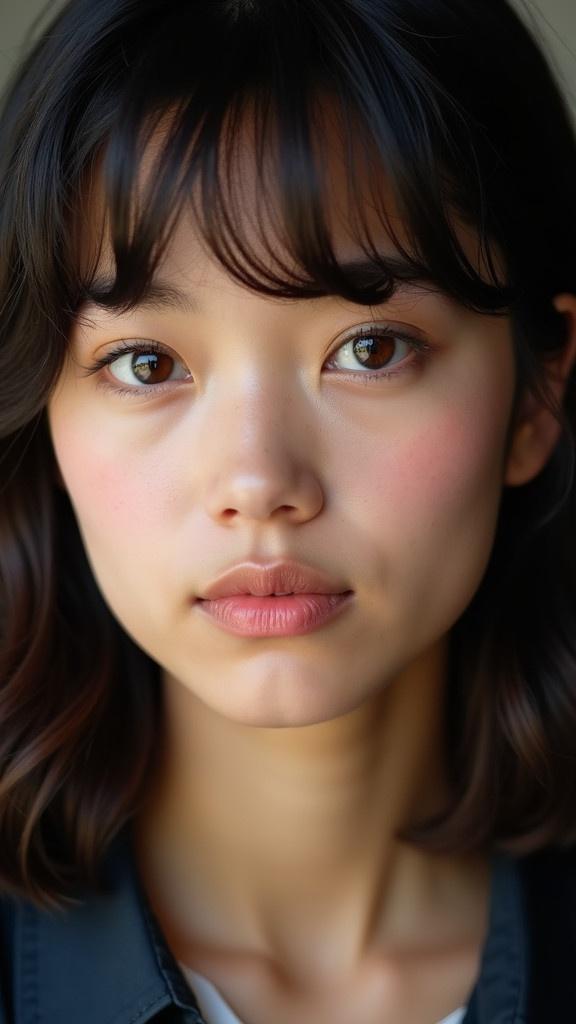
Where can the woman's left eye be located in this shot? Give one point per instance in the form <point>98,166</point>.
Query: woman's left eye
<point>372,347</point>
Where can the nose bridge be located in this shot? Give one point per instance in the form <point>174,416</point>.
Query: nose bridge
<point>260,398</point>
<point>259,456</point>
<point>260,416</point>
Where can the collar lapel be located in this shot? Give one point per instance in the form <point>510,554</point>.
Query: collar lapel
<point>501,991</point>
<point>103,961</point>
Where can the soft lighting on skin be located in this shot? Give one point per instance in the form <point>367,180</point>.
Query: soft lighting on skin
<point>296,753</point>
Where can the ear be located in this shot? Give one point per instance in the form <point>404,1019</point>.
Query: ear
<point>537,432</point>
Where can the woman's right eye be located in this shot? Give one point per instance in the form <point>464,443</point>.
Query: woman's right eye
<point>140,366</point>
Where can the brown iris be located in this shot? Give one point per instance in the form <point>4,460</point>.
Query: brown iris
<point>151,367</point>
<point>368,349</point>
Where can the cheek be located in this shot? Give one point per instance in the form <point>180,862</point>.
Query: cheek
<point>429,523</point>
<point>442,471</point>
<point>101,491</point>
<point>112,477</point>
<point>118,496</point>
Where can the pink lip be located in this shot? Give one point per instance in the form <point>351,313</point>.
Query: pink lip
<point>264,580</point>
<point>246,615</point>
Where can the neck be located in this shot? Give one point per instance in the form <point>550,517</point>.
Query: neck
<point>259,834</point>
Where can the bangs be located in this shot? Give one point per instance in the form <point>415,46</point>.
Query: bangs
<point>297,87</point>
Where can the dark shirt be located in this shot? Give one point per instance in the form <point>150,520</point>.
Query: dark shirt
<point>106,960</point>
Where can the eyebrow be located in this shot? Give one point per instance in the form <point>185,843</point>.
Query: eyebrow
<point>159,295</point>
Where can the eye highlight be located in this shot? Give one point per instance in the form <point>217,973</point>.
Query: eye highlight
<point>145,366</point>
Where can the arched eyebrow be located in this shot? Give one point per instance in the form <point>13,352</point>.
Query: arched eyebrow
<point>159,295</point>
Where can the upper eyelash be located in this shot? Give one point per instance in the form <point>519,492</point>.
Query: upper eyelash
<point>420,347</point>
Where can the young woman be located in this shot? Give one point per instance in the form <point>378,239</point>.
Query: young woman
<point>287,559</point>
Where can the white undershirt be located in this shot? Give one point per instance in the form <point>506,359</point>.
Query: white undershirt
<point>216,1010</point>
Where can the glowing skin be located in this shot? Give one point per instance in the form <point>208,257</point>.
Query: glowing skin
<point>295,759</point>
<point>392,486</point>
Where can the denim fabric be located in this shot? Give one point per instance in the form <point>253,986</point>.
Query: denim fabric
<point>106,960</point>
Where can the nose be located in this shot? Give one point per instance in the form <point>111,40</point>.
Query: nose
<point>260,462</point>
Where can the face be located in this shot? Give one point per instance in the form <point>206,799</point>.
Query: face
<point>263,435</point>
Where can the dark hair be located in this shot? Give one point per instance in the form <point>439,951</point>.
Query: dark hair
<point>455,101</point>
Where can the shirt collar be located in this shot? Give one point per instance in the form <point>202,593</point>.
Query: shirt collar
<point>106,959</point>
<point>101,961</point>
<point>501,993</point>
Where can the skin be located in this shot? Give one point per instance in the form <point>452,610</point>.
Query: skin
<point>267,842</point>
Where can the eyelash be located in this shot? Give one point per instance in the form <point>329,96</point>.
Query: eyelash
<point>419,347</point>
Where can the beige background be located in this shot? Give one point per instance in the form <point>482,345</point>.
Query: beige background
<point>555,21</point>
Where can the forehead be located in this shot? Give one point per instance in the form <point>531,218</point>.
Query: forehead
<point>268,189</point>
<point>263,185</point>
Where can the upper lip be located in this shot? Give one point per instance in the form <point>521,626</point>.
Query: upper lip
<point>263,580</point>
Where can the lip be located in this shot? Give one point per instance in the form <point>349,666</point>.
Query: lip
<point>280,578</point>
<point>294,615</point>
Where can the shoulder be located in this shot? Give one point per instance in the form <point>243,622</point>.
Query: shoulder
<point>100,958</point>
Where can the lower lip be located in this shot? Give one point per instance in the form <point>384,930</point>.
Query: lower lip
<point>245,615</point>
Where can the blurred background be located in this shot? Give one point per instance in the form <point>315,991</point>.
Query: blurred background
<point>554,21</point>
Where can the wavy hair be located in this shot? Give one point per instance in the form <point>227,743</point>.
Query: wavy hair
<point>458,110</point>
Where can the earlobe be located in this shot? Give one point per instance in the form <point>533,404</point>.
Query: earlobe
<point>537,431</point>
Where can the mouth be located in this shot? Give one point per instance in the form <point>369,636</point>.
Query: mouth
<point>287,614</point>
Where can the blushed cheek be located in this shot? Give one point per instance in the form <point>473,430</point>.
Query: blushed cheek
<point>441,481</point>
<point>115,493</point>
<point>429,530</point>
<point>99,491</point>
